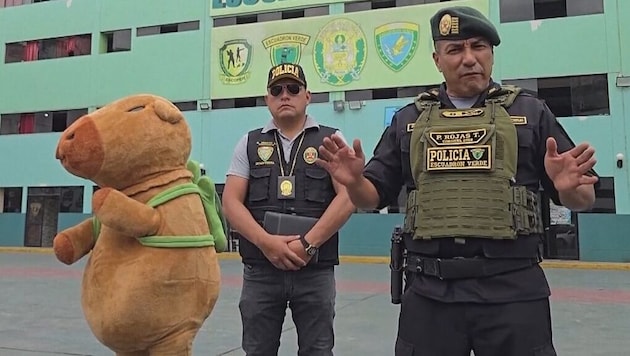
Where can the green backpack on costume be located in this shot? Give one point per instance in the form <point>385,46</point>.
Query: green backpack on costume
<point>202,185</point>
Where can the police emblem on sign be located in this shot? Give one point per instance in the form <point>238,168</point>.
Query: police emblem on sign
<point>235,59</point>
<point>286,47</point>
<point>339,52</point>
<point>396,43</point>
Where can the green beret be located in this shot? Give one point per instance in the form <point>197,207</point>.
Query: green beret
<point>462,22</point>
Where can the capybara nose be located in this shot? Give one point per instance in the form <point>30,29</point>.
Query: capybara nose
<point>65,139</point>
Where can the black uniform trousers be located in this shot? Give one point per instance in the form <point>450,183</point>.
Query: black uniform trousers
<point>428,327</point>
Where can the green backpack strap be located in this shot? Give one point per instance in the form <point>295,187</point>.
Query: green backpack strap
<point>212,206</point>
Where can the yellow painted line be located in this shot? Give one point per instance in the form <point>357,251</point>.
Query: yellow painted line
<point>43,250</point>
<point>618,266</point>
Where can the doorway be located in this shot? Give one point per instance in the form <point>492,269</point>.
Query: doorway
<point>42,211</point>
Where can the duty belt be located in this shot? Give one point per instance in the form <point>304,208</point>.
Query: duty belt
<point>461,268</point>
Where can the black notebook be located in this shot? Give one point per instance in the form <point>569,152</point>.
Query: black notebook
<point>287,224</point>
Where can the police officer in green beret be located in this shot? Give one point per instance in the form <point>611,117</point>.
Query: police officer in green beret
<point>472,155</point>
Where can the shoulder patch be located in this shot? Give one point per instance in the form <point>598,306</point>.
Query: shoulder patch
<point>519,120</point>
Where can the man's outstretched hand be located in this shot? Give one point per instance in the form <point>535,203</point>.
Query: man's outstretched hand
<point>568,170</point>
<point>343,163</point>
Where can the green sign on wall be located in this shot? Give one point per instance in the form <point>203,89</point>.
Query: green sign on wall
<point>377,49</point>
<point>231,7</point>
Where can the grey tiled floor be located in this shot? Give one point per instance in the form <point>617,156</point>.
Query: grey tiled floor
<point>40,313</point>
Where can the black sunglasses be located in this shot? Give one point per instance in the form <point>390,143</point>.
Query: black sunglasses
<point>292,89</point>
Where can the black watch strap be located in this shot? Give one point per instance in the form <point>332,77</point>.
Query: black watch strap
<point>311,250</point>
<point>304,242</point>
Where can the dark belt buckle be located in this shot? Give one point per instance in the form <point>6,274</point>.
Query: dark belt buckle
<point>432,267</point>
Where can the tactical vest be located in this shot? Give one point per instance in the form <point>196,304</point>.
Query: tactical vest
<point>314,190</point>
<point>463,163</point>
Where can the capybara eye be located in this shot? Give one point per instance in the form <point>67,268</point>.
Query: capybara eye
<point>137,108</point>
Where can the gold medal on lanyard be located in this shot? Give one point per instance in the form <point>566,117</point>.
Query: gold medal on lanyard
<point>286,183</point>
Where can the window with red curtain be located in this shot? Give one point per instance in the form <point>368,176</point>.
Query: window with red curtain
<point>67,47</point>
<point>27,124</point>
<point>9,3</point>
<point>31,51</point>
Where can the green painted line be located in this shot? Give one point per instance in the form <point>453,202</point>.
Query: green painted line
<point>560,264</point>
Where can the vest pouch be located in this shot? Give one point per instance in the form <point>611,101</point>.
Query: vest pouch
<point>463,205</point>
<point>259,179</point>
<point>316,185</point>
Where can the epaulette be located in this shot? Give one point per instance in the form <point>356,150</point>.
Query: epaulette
<point>505,95</point>
<point>431,94</point>
<point>426,99</point>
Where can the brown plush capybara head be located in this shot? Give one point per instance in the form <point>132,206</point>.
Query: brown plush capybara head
<point>126,142</point>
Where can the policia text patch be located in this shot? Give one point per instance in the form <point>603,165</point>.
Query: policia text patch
<point>459,157</point>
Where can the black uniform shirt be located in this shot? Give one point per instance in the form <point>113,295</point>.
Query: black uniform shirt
<point>389,169</point>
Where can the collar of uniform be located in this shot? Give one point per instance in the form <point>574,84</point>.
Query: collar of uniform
<point>310,123</point>
<point>447,104</point>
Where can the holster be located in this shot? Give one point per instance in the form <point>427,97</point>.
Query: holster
<point>397,265</point>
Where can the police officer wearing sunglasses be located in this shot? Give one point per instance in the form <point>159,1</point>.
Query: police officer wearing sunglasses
<point>273,170</point>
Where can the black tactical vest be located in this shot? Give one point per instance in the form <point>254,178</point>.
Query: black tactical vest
<point>314,190</point>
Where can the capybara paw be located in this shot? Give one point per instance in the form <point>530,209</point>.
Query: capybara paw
<point>98,199</point>
<point>63,249</point>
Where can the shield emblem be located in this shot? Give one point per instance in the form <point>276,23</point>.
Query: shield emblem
<point>339,52</point>
<point>265,152</point>
<point>285,47</point>
<point>286,53</point>
<point>396,43</point>
<point>477,153</point>
<point>235,57</point>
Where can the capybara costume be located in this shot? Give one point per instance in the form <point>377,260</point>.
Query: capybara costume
<point>152,277</point>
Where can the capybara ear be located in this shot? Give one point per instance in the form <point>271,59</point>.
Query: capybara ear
<point>167,111</point>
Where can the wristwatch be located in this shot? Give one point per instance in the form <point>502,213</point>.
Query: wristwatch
<point>310,249</point>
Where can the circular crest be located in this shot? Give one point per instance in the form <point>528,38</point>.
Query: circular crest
<point>445,25</point>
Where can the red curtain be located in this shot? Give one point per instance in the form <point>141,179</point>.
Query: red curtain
<point>31,51</point>
<point>27,124</point>
<point>67,47</point>
<point>9,3</point>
